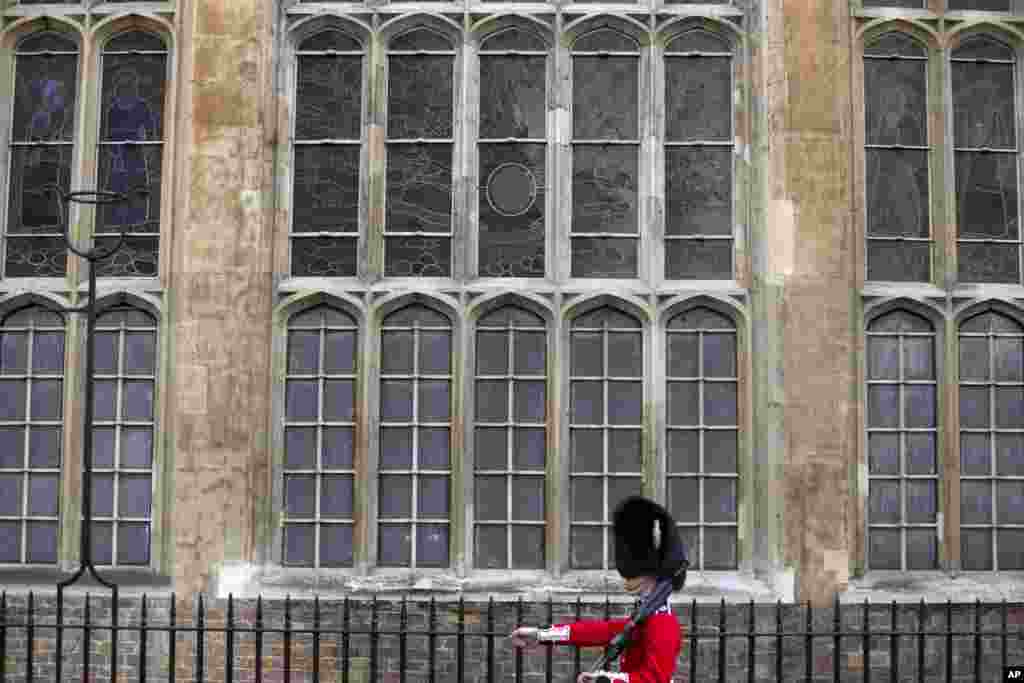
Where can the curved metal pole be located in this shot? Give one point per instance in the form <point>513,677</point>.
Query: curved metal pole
<point>92,256</point>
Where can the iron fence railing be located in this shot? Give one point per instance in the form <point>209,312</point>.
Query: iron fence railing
<point>164,639</point>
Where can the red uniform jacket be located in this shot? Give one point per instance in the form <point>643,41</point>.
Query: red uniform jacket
<point>651,654</point>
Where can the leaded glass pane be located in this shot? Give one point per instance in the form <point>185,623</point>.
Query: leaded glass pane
<point>513,100</point>
<point>326,194</point>
<point>513,39</point>
<point>421,39</point>
<point>698,259</point>
<point>595,115</point>
<point>604,189</point>
<point>605,40</point>
<point>698,98</point>
<point>330,40</point>
<point>45,89</point>
<point>896,102</point>
<point>420,96</point>
<point>897,193</point>
<point>329,97</point>
<point>698,191</point>
<point>895,45</point>
<point>419,188</point>
<point>511,214</point>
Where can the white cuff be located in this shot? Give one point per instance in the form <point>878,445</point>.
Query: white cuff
<point>614,676</point>
<point>559,634</point>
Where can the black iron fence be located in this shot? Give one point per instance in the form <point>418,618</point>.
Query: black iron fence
<point>83,639</point>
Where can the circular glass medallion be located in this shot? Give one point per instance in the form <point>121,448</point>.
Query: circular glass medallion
<point>511,189</point>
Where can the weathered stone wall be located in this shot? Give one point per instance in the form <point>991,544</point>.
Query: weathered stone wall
<point>485,647</point>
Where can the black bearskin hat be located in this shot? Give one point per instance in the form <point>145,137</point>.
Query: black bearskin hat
<point>647,542</point>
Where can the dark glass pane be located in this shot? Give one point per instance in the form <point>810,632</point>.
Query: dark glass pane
<point>883,358</point>
<point>324,256</point>
<point>491,448</point>
<point>300,495</point>
<point>338,448</point>
<point>326,188</point>
<point>339,400</point>
<point>1010,548</point>
<point>605,39</point>
<point>46,42</point>
<point>895,102</point>
<point>684,498</point>
<point>491,547</point>
<point>419,200</point>
<point>329,99</point>
<point>330,40</point>
<point>134,495</point>
<point>698,259</point>
<point>897,193</point>
<point>14,353</point>
<point>595,115</point>
<point>35,172</point>
<point>894,44</point>
<point>720,548</point>
<point>606,315</point>
<point>983,105</point>
<point>697,41</point>
<point>420,39</point>
<point>431,546</point>
<point>719,355</point>
<point>396,400</point>
<point>1009,407</point>
<point>605,189</point>
<point>395,545</point>
<point>975,502</point>
<point>625,403</point>
<point>396,495</point>
<point>47,398</point>
<point>48,352</point>
<point>132,106</point>
<point>683,403</point>
<point>301,398</point>
<point>12,447</point>
<point>986,195</point>
<point>434,401</point>
<point>135,40</point>
<point>974,359</point>
<point>492,401</point>
<point>587,450</point>
<point>899,261</point>
<point>883,405</point>
<point>303,352</point>
<point>10,494</point>
<point>976,549</point>
<point>625,450</point>
<point>975,454</point>
<point>136,258</point>
<point>530,353</point>
<point>586,499</point>
<point>698,191</point>
<point>983,47</point>
<point>530,403</point>
<point>884,502</point>
<point>977,262</point>
<point>513,39</point>
<point>587,403</point>
<point>492,353</point>
<point>45,89</point>
<point>883,453</point>
<point>720,451</point>
<point>417,315</point>
<point>922,549</point>
<point>397,356</point>
<point>918,358</point>
<point>137,447</point>
<point>974,407</point>
<point>921,452</point>
<point>529,448</point>
<point>12,399</point>
<point>435,448</point>
<point>682,358</point>
<point>340,352</point>
<point>102,495</point>
<point>919,405</point>
<point>300,448</point>
<point>44,448</point>
<point>139,353</point>
<point>420,96</point>
<point>336,497</point>
<point>513,102</point>
<point>336,545</point>
<point>978,323</point>
<point>395,448</point>
<point>42,543</point>
<point>512,228</point>
<point>133,543</point>
<point>698,98</point>
<point>720,403</point>
<point>299,544</point>
<point>1008,359</point>
<point>527,547</point>
<point>587,353</point>
<point>1010,455</point>
<point>922,500</point>
<point>720,500</point>
<point>604,257</point>
<point>435,353</point>
<point>137,402</point>
<point>625,354</point>
<point>491,498</point>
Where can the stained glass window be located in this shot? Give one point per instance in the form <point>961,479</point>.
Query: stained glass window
<point>991,443</point>
<point>123,433</point>
<point>131,151</point>
<point>985,144</point>
<point>698,158</point>
<point>702,439</point>
<point>42,143</point>
<point>31,434</point>
<point>605,156</point>
<point>319,438</point>
<point>896,160</point>
<point>415,439</point>
<point>510,440</point>
<point>902,423</point>
<point>606,375</point>
<point>326,165</point>
<point>420,141</point>
<point>513,154</point>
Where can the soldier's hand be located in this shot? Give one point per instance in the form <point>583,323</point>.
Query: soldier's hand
<point>525,637</point>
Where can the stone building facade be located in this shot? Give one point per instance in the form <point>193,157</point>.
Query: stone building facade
<point>421,289</point>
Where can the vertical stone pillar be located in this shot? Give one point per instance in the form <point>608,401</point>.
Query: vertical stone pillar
<point>804,287</point>
<point>221,285</point>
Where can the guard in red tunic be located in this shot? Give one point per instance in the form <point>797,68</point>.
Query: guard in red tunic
<point>652,560</point>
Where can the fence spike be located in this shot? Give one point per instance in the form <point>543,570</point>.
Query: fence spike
<point>920,641</point>
<point>750,645</point>
<point>977,640</point>
<point>778,640</point>
<point>172,637</point>
<point>287,637</point>
<point>259,638</point>
<point>31,635</point>
<point>115,611</point>
<point>721,643</point>
<point>894,643</point>
<point>693,640</point>
<point>229,645</point>
<point>866,658</point>
<point>403,618</point>
<point>837,639</point>
<point>200,619</point>
<point>142,642</point>
<point>316,639</point>
<point>949,640</point>
<point>809,645</point>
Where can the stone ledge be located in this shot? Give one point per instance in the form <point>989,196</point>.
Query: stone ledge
<point>935,586</point>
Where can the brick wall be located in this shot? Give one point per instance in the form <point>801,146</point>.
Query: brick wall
<point>363,662</point>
